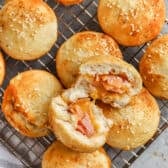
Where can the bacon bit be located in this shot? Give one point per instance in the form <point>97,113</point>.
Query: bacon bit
<point>85,126</point>
<point>112,83</point>
<point>123,76</point>
<point>81,110</point>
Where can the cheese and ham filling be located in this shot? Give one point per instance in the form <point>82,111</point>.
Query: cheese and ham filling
<point>112,83</point>
<point>81,108</point>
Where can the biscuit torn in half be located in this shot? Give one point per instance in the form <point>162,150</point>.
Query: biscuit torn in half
<point>77,122</point>
<point>110,80</point>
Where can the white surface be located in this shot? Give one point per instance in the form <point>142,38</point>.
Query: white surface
<point>156,156</point>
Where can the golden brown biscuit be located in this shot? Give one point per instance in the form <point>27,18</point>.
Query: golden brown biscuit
<point>78,49</point>
<point>77,122</point>
<point>28,29</point>
<point>134,124</point>
<point>132,22</point>
<point>154,67</point>
<point>59,156</point>
<point>110,80</point>
<point>70,2</point>
<point>2,68</point>
<point>26,100</point>
<point>7,1</point>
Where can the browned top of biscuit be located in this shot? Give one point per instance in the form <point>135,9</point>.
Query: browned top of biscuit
<point>61,157</point>
<point>154,67</point>
<point>28,28</point>
<point>78,48</point>
<point>130,22</point>
<point>26,100</point>
<point>136,123</point>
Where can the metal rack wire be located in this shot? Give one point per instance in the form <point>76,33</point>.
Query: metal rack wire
<point>71,20</point>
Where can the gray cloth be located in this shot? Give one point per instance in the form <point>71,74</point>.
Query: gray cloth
<point>6,164</point>
<point>7,160</point>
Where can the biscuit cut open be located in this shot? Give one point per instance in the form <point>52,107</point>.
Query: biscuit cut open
<point>110,79</point>
<point>77,122</point>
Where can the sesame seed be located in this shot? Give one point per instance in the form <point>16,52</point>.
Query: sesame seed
<point>132,27</point>
<point>132,131</point>
<point>118,132</point>
<point>131,33</point>
<point>17,105</point>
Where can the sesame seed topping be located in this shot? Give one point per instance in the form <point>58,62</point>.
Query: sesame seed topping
<point>126,6</point>
<point>132,131</point>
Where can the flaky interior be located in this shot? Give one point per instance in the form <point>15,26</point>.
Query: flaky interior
<point>67,121</point>
<point>110,83</point>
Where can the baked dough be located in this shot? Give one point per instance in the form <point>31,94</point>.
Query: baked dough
<point>2,68</point>
<point>77,49</point>
<point>154,67</point>
<point>132,22</point>
<point>28,29</point>
<point>77,122</point>
<point>7,1</point>
<point>69,2</point>
<point>59,156</point>
<point>134,124</point>
<point>26,100</point>
<point>110,80</point>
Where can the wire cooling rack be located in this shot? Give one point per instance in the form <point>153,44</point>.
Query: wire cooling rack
<point>71,20</point>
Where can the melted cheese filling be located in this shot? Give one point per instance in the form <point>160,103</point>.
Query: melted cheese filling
<point>110,83</point>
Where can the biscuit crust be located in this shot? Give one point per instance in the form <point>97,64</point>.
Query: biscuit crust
<point>28,29</point>
<point>154,67</point>
<point>134,124</point>
<point>59,156</point>
<point>78,49</point>
<point>132,23</point>
<point>26,100</point>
